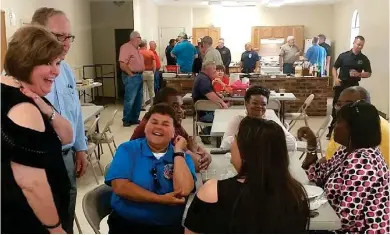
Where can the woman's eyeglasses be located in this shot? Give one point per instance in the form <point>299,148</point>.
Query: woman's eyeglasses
<point>153,171</point>
<point>63,38</point>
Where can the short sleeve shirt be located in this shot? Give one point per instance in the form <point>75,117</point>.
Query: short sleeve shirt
<point>249,59</point>
<point>327,48</point>
<point>347,61</point>
<point>149,57</point>
<point>288,53</point>
<point>213,55</point>
<point>185,54</point>
<point>202,86</point>
<point>134,161</point>
<point>130,55</point>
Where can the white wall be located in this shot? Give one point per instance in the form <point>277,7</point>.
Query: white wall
<point>105,18</point>
<point>78,13</point>
<point>374,26</point>
<point>146,19</point>
<point>236,22</point>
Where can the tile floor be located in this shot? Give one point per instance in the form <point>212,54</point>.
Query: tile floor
<point>122,134</point>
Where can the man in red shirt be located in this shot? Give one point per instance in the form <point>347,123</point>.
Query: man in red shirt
<point>157,74</point>
<point>148,74</point>
<point>200,156</point>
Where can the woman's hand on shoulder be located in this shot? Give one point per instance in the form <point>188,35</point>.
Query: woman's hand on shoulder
<point>208,192</point>
<point>42,105</point>
<point>27,115</point>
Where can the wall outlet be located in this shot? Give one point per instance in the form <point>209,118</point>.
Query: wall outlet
<point>12,18</point>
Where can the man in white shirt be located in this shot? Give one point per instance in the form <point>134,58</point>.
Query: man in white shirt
<point>256,100</point>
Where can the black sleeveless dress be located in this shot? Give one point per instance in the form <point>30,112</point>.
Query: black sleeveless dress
<point>30,148</point>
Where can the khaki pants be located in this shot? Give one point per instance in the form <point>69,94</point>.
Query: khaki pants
<point>148,86</point>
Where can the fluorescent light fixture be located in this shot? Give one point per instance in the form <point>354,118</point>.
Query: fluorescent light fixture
<point>273,3</point>
<point>229,3</point>
<point>214,3</point>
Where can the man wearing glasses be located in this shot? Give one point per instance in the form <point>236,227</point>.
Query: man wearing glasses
<point>64,97</point>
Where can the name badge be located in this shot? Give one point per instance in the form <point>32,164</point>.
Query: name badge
<point>250,56</point>
<point>360,62</point>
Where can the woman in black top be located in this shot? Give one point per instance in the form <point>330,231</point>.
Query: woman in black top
<point>35,185</point>
<point>262,198</point>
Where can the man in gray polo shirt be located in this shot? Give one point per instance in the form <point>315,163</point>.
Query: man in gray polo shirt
<point>289,53</point>
<point>211,54</point>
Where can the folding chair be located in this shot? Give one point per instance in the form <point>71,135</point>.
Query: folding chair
<point>206,106</point>
<point>302,145</point>
<point>301,114</point>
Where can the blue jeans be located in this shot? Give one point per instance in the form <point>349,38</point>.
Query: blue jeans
<point>209,118</point>
<point>288,68</point>
<point>157,81</point>
<point>133,97</point>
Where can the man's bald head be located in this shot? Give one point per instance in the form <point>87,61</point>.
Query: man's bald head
<point>358,90</point>
<point>351,95</point>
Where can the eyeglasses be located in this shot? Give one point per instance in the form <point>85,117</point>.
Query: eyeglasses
<point>63,38</point>
<point>153,171</point>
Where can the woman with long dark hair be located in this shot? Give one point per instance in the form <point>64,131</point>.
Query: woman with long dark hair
<point>262,198</point>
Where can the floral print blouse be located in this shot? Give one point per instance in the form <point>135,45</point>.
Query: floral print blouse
<point>357,187</point>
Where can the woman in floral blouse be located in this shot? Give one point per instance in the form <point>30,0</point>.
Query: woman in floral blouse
<point>356,178</point>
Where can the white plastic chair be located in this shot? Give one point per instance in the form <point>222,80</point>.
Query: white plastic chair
<point>301,114</point>
<point>302,145</point>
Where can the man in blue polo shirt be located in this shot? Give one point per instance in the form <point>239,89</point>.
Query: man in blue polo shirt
<point>150,179</point>
<point>316,54</point>
<point>185,53</point>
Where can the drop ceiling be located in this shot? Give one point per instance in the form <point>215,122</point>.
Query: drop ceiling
<point>241,2</point>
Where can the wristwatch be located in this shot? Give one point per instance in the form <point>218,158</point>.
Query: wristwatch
<point>181,154</point>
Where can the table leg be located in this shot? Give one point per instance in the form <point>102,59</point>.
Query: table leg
<point>282,112</point>
<point>218,140</point>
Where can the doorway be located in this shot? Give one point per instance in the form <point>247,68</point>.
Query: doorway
<point>121,37</point>
<point>166,34</point>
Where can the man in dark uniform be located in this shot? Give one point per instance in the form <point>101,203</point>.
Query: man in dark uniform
<point>225,54</point>
<point>197,66</point>
<point>170,60</point>
<point>250,60</point>
<point>328,49</point>
<point>354,66</point>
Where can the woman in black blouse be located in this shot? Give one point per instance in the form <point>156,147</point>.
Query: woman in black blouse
<point>262,198</point>
<point>35,185</point>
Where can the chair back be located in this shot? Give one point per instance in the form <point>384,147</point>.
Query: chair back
<point>308,101</point>
<point>92,128</point>
<point>205,105</point>
<point>110,122</point>
<point>274,105</point>
<point>97,205</point>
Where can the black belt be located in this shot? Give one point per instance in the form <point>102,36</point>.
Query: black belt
<point>136,72</point>
<point>66,151</point>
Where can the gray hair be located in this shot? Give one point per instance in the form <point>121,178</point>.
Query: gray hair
<point>143,43</point>
<point>364,94</point>
<point>207,64</point>
<point>134,34</point>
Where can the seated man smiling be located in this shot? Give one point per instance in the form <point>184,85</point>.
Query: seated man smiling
<point>170,96</point>
<point>150,179</point>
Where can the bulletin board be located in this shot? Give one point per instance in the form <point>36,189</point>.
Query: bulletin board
<point>3,39</point>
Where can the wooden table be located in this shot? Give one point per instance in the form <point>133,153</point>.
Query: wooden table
<point>82,89</point>
<point>326,220</point>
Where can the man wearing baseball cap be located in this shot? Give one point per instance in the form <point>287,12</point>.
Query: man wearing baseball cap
<point>185,53</point>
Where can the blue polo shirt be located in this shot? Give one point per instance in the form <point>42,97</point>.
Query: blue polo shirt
<point>249,59</point>
<point>185,54</point>
<point>135,161</point>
